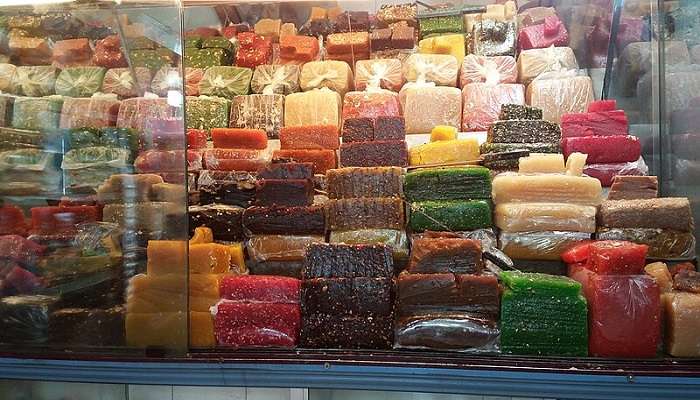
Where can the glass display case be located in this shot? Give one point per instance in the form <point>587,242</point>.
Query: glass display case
<point>352,195</point>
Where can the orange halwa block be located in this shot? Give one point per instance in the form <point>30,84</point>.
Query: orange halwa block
<point>158,329</point>
<point>209,258</point>
<point>239,138</point>
<point>201,329</point>
<point>310,137</point>
<point>166,257</point>
<point>159,293</point>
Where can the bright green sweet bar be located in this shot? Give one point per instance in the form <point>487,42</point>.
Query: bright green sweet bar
<point>458,183</point>
<point>443,24</point>
<point>540,284</point>
<point>207,112</point>
<point>544,325</point>
<point>452,215</point>
<point>150,59</point>
<point>205,58</point>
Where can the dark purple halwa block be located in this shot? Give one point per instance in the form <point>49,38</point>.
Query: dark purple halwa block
<point>291,269</point>
<point>389,128</point>
<point>348,261</point>
<point>380,39</point>
<point>385,153</point>
<point>225,221</point>
<point>287,170</point>
<point>284,192</point>
<point>403,37</point>
<point>348,297</point>
<point>360,332</point>
<point>358,130</point>
<point>285,220</point>
<point>87,327</point>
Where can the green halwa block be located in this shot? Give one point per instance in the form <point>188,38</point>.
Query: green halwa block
<point>226,82</point>
<point>151,59</point>
<point>36,113</point>
<point>439,25</point>
<point>205,58</point>
<point>218,42</point>
<point>207,112</point>
<point>80,81</point>
<point>540,284</point>
<point>452,215</point>
<point>460,183</point>
<point>193,42</point>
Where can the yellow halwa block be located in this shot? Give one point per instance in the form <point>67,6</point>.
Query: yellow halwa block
<point>446,151</point>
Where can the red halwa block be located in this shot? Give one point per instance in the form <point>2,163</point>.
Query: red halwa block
<point>233,160</point>
<point>196,139</point>
<point>18,280</point>
<point>389,128</point>
<point>12,221</point>
<point>71,52</point>
<point>358,130</point>
<point>603,123</point>
<point>260,288</point>
<point>380,153</point>
<point>604,149</point>
<point>310,137</point>
<point>577,253</point>
<point>323,160</point>
<point>605,173</point>
<point>55,220</point>
<point>253,50</point>
<point>347,43</point>
<point>108,53</point>
<point>256,324</point>
<point>616,257</point>
<point>582,275</point>
<point>239,138</point>
<point>158,161</point>
<point>550,33</point>
<point>371,104</point>
<point>624,316</point>
<point>284,192</point>
<point>602,105</point>
<point>297,47</point>
<point>20,250</point>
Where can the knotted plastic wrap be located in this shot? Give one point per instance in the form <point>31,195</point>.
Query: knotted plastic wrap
<point>532,63</point>
<point>606,172</point>
<point>90,166</point>
<point>7,77</point>
<point>79,81</point>
<point>167,79</point>
<point>482,103</point>
<point>397,240</point>
<point>280,247</point>
<point>379,73</point>
<point>97,111</point>
<point>491,70</point>
<point>441,69</point>
<point>331,74</point>
<point>35,81</point>
<point>559,93</point>
<point>119,81</point>
<point>494,38</point>
<point>275,79</point>
<point>226,82</point>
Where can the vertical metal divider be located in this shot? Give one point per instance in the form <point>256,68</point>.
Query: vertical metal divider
<point>659,112</point>
<point>614,28</point>
<point>125,45</point>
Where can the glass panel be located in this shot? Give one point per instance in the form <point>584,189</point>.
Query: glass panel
<point>93,177</point>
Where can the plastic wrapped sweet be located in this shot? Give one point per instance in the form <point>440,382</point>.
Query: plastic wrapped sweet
<point>206,112</point>
<point>481,69</point>
<point>334,75</point>
<point>374,154</point>
<point>234,159</point>
<point>225,221</point>
<point>94,112</point>
<point>524,217</point>
<point>34,81</point>
<point>168,79</point>
<point>527,329</point>
<point>365,213</point>
<point>120,82</point>
<point>446,331</point>
<point>633,187</point>
<point>79,81</point>
<point>71,53</point>
<point>315,107</point>
<point>371,104</point>
<point>515,188</point>
<point>494,38</point>
<point>662,213</point>
<point>25,319</point>
<point>263,248</point>
<point>225,82</point>
<point>560,93</point>
<point>442,69</point>
<point>37,113</point>
<point>279,79</point>
<point>255,323</point>
<point>7,77</point>
<point>90,166</point>
<point>29,172</point>
<point>605,173</point>
<point>663,243</point>
<point>535,62</point>
<point>161,161</point>
<point>101,327</point>
<point>393,238</point>
<point>680,311</point>
<point>258,111</point>
<point>449,215</point>
<point>135,113</point>
<point>482,103</point>
<point>445,255</point>
<point>435,293</point>
<point>428,106</point>
<point>353,182</point>
<point>348,261</point>
<point>322,160</point>
<point>379,73</point>
<point>539,245</point>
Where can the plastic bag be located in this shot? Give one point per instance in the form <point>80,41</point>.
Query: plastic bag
<point>492,70</point>
<point>263,248</point>
<point>447,331</point>
<point>226,187</point>
<point>235,159</point>
<point>258,111</point>
<point>606,172</point>
<point>120,82</point>
<point>663,243</point>
<point>136,112</point>
<point>559,93</point>
<point>277,79</point>
<point>90,166</point>
<point>379,73</point>
<point>441,69</point>
<point>482,103</point>
<point>226,82</point>
<point>94,112</point>
<point>545,245</point>
<point>35,81</point>
<point>524,217</point>
<point>334,75</point>
<point>396,239</point>
<point>37,113</point>
<point>29,172</point>
<point>371,104</point>
<point>315,107</point>
<point>167,79</point>
<point>25,319</point>
<point>79,81</point>
<point>7,77</point>
<point>535,62</point>
<point>426,107</point>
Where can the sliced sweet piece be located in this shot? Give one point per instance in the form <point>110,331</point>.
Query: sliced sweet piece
<point>209,258</point>
<point>346,332</point>
<point>662,213</point>
<point>253,50</point>
<point>551,33</point>
<point>224,220</point>
<point>633,187</point>
<point>366,213</point>
<point>602,106</point>
<point>503,161</point>
<point>284,192</point>
<point>348,261</point>
<point>682,324</point>
<point>403,37</point>
<point>604,123</point>
<point>353,182</point>
<point>310,137</point>
<point>575,164</point>
<point>167,257</point>
<point>662,243</point>
<point>291,269</point>
<point>380,39</point>
<point>524,131</point>
<point>87,327</point>
<point>263,248</point>
<point>323,160</point>
<point>371,298</point>
<point>452,44</point>
<point>445,255</point>
<point>519,111</point>
<point>526,217</point>
<point>167,329</point>
<point>453,183</point>
<point>441,24</point>
<point>442,132</point>
<point>450,215</point>
<point>612,257</point>
<point>238,138</point>
<point>378,153</point>
<point>348,43</point>
<point>298,48</point>
<point>264,289</point>
<point>201,329</point>
<point>609,149</point>
<point>196,139</point>
<point>285,220</point>
<point>201,235</point>
<point>542,163</point>
<point>445,151</point>
<point>287,170</point>
<point>268,28</point>
<point>515,188</point>
<point>489,147</point>
<point>396,239</point>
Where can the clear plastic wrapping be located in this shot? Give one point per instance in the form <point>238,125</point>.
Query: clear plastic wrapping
<point>37,113</point>
<point>365,213</point>
<point>514,188</point>
<point>263,248</point>
<point>486,236</point>
<point>35,81</point>
<point>544,245</point>
<point>137,112</point>
<point>235,159</point>
<point>226,187</point>
<point>161,161</point>
<point>7,77</point>
<point>395,239</point>
<point>79,81</point>
<point>379,73</point>
<point>524,217</point>
<point>119,81</point>
<point>315,107</point>
<point>493,70</point>
<point>167,79</point>
<point>494,38</point>
<point>560,93</point>
<point>334,75</point>
<point>90,166</point>
<point>279,79</point>
<point>29,172</point>
<point>425,107</point>
<point>447,331</point>
<point>25,319</point>
<point>445,255</point>
<point>204,112</point>
<point>94,112</point>
<point>663,243</point>
<point>662,213</point>
<point>258,111</point>
<point>482,103</point>
<point>535,62</point>
<point>606,172</point>
<point>371,104</point>
<point>441,69</point>
<point>225,81</point>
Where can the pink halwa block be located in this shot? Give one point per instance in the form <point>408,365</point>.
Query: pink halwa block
<point>604,149</point>
<point>371,104</point>
<point>602,105</point>
<point>260,288</point>
<point>606,172</point>
<point>550,33</point>
<point>482,103</point>
<point>256,324</point>
<point>601,123</point>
